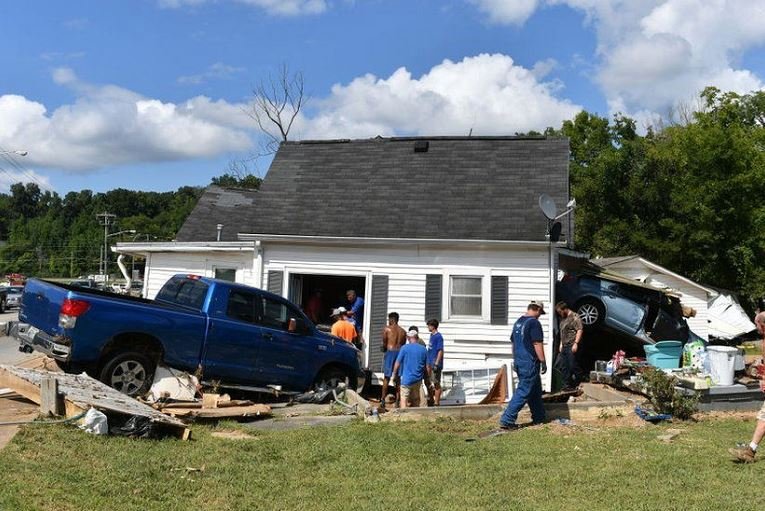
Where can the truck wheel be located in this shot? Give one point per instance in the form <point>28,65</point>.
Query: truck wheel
<point>591,312</point>
<point>130,372</point>
<point>332,377</point>
<point>2,305</point>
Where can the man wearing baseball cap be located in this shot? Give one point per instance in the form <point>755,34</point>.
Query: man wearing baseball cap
<point>529,364</point>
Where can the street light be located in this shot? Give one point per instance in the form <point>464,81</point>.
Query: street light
<point>19,153</point>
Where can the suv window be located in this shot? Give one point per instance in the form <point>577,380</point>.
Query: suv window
<point>187,292</point>
<point>241,306</point>
<point>277,314</point>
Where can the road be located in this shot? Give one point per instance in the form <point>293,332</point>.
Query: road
<point>9,347</point>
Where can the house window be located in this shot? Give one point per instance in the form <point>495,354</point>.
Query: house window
<point>228,274</point>
<point>465,296</point>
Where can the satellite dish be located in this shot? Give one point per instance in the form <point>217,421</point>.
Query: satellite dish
<point>547,205</point>
<point>555,231</point>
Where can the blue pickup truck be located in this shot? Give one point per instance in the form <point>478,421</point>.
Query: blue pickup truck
<point>232,333</point>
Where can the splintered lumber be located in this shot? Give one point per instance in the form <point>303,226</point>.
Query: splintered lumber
<point>228,412</point>
<point>198,404</point>
<point>81,392</point>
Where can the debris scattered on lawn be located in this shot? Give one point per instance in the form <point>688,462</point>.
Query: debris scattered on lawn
<point>233,435</point>
<point>173,384</point>
<point>228,412</point>
<point>651,416</point>
<point>80,392</point>
<point>669,435</point>
<point>95,422</point>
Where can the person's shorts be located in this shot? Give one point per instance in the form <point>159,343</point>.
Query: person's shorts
<point>435,377</point>
<point>761,413</point>
<point>411,393</point>
<point>388,361</point>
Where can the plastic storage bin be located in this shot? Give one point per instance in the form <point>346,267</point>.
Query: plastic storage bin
<point>664,354</point>
<point>722,361</point>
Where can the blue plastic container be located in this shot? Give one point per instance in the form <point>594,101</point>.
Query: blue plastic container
<point>664,354</point>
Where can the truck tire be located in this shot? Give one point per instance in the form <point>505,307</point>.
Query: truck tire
<point>332,377</point>
<point>591,311</point>
<point>129,372</point>
<point>2,305</point>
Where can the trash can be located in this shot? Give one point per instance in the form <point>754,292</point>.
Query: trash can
<point>722,360</point>
<point>664,354</point>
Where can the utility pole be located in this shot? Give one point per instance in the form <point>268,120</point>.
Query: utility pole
<point>105,219</point>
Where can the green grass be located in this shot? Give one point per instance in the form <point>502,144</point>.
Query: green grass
<point>391,466</point>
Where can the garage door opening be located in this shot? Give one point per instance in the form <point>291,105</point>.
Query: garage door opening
<point>317,295</point>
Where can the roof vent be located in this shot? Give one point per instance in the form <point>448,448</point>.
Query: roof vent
<point>219,228</point>
<point>421,146</point>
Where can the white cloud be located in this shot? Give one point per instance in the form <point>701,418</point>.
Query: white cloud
<point>488,94</point>
<point>109,125</point>
<point>513,12</point>
<point>656,53</point>
<point>10,176</point>
<point>275,7</point>
<point>217,71</point>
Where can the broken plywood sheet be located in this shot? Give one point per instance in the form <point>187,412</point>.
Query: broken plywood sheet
<point>229,412</point>
<point>81,392</point>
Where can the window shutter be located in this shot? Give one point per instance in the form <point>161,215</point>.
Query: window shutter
<point>433,296</point>
<point>499,291</point>
<point>275,280</point>
<point>378,318</point>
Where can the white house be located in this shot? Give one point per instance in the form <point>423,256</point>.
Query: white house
<point>691,294</point>
<point>441,227</point>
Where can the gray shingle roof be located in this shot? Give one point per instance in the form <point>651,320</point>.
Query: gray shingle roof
<point>217,205</point>
<point>461,188</point>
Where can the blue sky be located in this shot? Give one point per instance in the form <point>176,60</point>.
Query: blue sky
<point>153,94</point>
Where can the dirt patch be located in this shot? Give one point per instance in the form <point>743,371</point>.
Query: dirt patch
<point>233,435</point>
<point>13,409</point>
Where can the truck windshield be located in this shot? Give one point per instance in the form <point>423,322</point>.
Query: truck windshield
<point>186,292</point>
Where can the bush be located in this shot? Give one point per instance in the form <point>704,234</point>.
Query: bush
<point>661,391</point>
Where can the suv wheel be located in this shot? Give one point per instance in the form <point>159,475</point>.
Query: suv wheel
<point>332,377</point>
<point>590,311</point>
<point>129,372</point>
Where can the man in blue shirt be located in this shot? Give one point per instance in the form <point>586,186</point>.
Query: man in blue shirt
<point>410,366</point>
<point>356,314</point>
<point>435,361</point>
<point>529,363</point>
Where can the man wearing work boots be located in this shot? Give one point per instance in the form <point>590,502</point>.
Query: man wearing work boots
<point>529,363</point>
<point>747,454</point>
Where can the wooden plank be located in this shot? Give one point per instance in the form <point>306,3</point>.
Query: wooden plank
<point>81,392</point>
<point>210,400</point>
<point>230,412</point>
<point>50,402</point>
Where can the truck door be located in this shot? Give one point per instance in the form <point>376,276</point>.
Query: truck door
<point>234,340</point>
<point>286,358</point>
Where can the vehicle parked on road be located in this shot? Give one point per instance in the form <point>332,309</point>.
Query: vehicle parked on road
<point>232,333</point>
<point>13,298</point>
<point>3,298</point>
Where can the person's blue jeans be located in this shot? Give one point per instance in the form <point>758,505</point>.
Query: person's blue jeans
<point>529,391</point>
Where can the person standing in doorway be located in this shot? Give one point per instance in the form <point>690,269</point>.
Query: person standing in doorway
<point>435,361</point>
<point>356,315</point>
<point>313,308</point>
<point>571,331</point>
<point>410,368</point>
<point>747,454</point>
<point>393,338</point>
<point>343,328</point>
<point>529,363</point>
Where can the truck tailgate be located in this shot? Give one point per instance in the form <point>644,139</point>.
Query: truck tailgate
<point>40,305</point>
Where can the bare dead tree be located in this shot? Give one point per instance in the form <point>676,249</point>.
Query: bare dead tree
<point>277,103</point>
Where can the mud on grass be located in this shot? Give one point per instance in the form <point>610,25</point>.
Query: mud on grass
<point>402,466</point>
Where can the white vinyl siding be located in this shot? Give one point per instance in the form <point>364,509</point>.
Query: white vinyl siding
<point>160,266</point>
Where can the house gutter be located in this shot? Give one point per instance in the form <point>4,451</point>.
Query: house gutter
<point>187,247</point>
<point>346,240</point>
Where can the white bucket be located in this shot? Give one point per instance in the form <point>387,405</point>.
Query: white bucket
<point>740,360</point>
<point>722,360</point>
